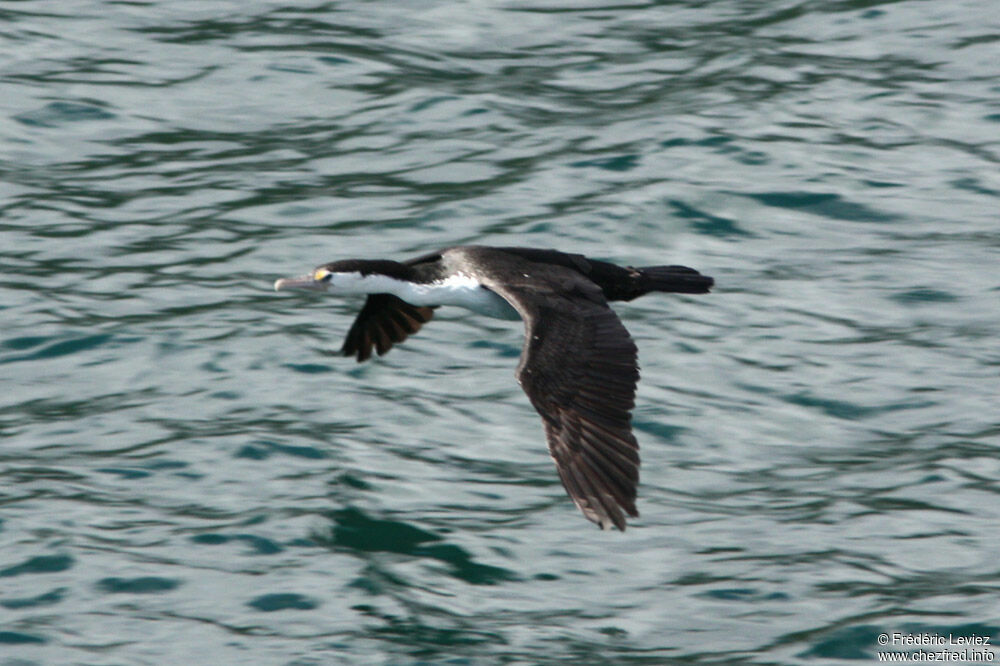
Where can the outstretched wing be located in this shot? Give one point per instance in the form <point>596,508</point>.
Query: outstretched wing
<point>382,322</point>
<point>579,369</point>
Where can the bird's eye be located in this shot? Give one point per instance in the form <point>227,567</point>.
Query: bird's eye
<point>322,275</point>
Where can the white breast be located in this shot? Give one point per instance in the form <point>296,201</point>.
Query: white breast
<point>460,290</point>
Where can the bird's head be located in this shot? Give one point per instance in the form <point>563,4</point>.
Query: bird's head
<point>351,276</point>
<point>319,280</point>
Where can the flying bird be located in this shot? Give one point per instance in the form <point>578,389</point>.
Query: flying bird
<point>578,364</point>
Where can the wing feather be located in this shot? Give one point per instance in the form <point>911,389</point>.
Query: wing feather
<point>579,369</point>
<point>384,320</point>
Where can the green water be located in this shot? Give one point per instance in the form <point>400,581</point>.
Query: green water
<point>189,474</point>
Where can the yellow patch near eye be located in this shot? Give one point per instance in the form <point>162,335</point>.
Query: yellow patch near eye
<point>320,274</point>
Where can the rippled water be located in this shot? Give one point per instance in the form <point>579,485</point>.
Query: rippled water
<point>191,475</point>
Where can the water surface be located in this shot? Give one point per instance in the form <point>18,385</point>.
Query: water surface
<point>190,474</point>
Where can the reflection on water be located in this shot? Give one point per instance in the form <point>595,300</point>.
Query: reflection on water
<point>190,472</point>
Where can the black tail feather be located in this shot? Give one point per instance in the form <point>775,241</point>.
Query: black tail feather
<point>680,279</point>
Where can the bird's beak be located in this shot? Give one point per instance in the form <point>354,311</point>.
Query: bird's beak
<point>301,282</point>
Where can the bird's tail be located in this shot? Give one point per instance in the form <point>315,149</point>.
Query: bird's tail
<point>679,279</point>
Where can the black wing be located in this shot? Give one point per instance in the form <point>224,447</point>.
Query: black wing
<point>382,322</point>
<point>579,369</point>
<point>386,320</point>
